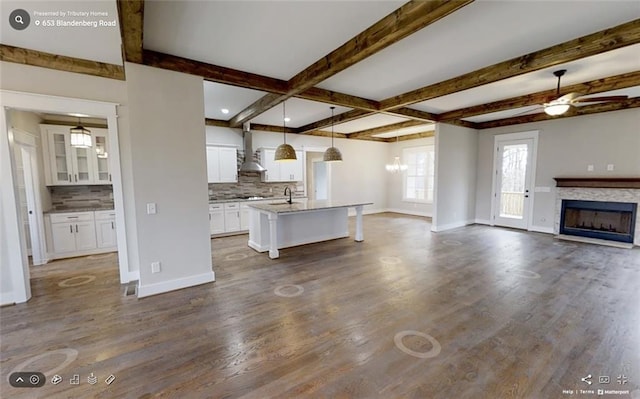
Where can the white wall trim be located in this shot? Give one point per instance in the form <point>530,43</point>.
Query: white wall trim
<point>172,285</point>
<point>407,212</point>
<point>134,276</point>
<point>56,104</point>
<point>542,229</point>
<point>483,221</point>
<point>497,139</point>
<point>6,298</point>
<point>437,229</point>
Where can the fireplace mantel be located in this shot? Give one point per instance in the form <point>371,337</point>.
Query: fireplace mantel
<point>598,182</point>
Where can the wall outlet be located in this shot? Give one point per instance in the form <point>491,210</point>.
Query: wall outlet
<point>155,267</point>
<point>610,167</point>
<point>589,168</point>
<point>151,208</point>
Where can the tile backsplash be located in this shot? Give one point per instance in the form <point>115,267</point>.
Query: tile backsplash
<point>71,197</point>
<point>249,185</point>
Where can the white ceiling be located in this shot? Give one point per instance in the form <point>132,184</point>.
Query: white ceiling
<point>272,38</point>
<point>301,112</point>
<point>428,127</point>
<point>478,35</point>
<point>281,38</point>
<point>101,44</point>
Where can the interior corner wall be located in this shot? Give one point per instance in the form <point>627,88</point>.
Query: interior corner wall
<point>166,120</point>
<point>31,79</point>
<point>456,150</point>
<point>566,146</point>
<point>395,181</point>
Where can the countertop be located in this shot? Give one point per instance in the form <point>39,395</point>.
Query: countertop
<point>274,199</point>
<point>281,206</point>
<point>91,209</point>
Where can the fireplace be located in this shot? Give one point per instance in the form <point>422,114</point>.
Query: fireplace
<point>605,220</point>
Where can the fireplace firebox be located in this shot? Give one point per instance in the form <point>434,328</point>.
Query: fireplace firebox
<point>614,221</point>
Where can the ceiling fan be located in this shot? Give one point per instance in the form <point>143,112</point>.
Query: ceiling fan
<point>561,104</point>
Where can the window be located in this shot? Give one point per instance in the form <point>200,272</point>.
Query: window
<point>418,180</point>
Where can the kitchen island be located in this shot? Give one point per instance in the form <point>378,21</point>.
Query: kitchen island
<point>280,224</point>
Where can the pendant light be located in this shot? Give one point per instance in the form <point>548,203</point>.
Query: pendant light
<point>396,166</point>
<point>285,152</point>
<point>80,137</point>
<point>332,154</point>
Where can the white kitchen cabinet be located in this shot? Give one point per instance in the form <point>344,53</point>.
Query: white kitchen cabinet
<point>231,217</point>
<point>106,229</point>
<point>222,164</point>
<point>281,171</point>
<point>216,218</point>
<point>67,165</point>
<point>73,232</point>
<point>102,172</point>
<point>245,216</point>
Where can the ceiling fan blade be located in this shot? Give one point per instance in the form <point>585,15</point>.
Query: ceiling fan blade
<point>600,99</point>
<point>568,97</point>
<point>529,111</point>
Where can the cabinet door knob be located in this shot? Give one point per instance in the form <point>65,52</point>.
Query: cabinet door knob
<point>71,229</point>
<point>76,228</point>
<point>112,226</point>
<point>70,179</point>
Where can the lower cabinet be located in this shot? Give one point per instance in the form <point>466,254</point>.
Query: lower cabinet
<point>105,229</point>
<point>80,233</point>
<point>231,217</point>
<point>216,218</point>
<point>73,232</point>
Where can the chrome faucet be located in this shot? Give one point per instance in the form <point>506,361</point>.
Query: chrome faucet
<point>285,193</point>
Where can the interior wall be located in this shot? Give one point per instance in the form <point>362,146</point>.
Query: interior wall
<point>395,181</point>
<point>456,151</point>
<point>30,123</point>
<point>169,170</point>
<point>566,147</point>
<point>360,177</point>
<point>30,79</point>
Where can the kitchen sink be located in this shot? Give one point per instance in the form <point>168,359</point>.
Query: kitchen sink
<point>281,203</point>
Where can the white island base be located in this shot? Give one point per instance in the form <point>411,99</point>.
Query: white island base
<point>282,225</point>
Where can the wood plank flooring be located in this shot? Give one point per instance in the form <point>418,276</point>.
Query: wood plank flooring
<point>516,314</point>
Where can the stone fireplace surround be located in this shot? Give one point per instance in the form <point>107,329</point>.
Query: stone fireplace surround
<point>598,189</point>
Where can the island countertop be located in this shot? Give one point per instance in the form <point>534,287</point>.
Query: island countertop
<point>282,206</point>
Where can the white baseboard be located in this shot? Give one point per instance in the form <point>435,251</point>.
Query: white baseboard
<point>172,285</point>
<point>408,212</point>
<point>483,221</point>
<point>134,276</point>
<point>6,298</point>
<point>450,226</point>
<point>542,229</point>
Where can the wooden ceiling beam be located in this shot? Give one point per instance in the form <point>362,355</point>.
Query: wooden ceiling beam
<point>575,111</point>
<point>385,129</point>
<point>323,133</point>
<point>60,62</point>
<point>622,81</point>
<point>335,98</point>
<point>413,114</point>
<point>216,122</point>
<point>340,118</point>
<point>214,73</point>
<point>131,16</point>
<point>586,46</point>
<point>271,128</point>
<point>409,18</point>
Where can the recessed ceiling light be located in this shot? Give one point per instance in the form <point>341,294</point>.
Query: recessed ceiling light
<point>287,119</point>
<point>224,111</point>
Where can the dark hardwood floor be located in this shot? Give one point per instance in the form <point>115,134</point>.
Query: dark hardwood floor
<point>489,312</point>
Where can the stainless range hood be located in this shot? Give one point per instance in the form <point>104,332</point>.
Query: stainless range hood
<point>249,165</point>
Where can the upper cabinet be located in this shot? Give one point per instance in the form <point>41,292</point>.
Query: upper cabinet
<point>67,165</point>
<point>222,164</point>
<point>281,171</point>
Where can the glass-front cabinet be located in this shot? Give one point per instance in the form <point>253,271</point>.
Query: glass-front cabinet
<point>74,165</point>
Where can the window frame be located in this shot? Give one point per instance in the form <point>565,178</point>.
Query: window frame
<point>429,175</point>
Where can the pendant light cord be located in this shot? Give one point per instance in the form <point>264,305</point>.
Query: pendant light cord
<point>332,108</point>
<point>284,122</point>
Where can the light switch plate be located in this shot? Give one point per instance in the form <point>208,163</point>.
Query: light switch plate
<point>589,168</point>
<point>610,167</point>
<point>151,208</point>
<point>155,267</point>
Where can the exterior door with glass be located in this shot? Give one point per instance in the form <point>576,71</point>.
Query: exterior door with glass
<point>514,160</point>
